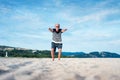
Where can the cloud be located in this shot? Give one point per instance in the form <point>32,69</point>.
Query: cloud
<point>24,20</point>
<point>115,42</point>
<point>95,16</point>
<point>102,4</point>
<point>99,16</point>
<point>113,22</point>
<point>29,36</point>
<point>27,16</point>
<point>57,3</point>
<point>4,10</point>
<point>41,35</point>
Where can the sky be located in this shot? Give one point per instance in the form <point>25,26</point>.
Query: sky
<point>93,25</point>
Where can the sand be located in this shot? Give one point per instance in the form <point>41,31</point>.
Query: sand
<point>65,69</point>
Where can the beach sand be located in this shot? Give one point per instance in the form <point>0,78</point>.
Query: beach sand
<point>65,69</point>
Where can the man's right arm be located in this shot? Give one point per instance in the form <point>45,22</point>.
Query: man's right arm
<point>63,30</point>
<point>51,30</point>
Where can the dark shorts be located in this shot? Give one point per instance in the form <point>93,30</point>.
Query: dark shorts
<point>56,45</point>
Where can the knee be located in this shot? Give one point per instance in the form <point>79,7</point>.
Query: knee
<point>60,49</point>
<point>52,49</point>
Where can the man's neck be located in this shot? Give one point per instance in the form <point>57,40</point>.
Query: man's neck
<point>57,29</point>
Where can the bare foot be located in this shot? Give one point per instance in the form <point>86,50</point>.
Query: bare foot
<point>58,58</point>
<point>52,59</point>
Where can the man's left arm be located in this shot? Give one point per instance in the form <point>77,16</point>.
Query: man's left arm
<point>63,30</point>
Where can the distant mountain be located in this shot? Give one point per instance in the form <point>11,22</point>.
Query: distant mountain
<point>104,54</point>
<point>96,54</point>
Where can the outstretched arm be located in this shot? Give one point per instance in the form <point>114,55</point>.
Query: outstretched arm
<point>63,30</point>
<point>51,30</point>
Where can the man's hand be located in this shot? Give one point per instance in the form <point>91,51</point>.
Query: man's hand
<point>50,29</point>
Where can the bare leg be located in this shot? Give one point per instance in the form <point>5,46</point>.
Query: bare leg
<point>59,53</point>
<point>52,54</point>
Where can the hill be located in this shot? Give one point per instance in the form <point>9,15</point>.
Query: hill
<point>103,54</point>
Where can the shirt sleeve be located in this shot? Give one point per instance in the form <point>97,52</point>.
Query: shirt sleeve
<point>61,31</point>
<point>54,30</point>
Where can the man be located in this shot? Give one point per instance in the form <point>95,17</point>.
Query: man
<point>56,40</point>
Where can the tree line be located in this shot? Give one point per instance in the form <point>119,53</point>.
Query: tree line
<point>27,53</point>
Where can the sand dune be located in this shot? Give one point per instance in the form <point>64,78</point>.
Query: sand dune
<point>65,69</point>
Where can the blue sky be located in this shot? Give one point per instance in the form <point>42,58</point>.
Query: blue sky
<point>93,25</point>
